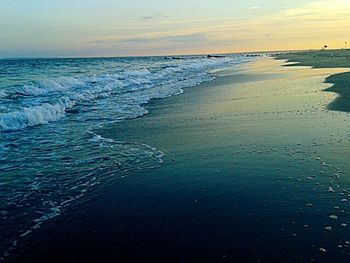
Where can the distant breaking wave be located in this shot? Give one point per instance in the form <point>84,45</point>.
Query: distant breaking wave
<point>44,101</point>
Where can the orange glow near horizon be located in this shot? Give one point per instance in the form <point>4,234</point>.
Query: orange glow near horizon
<point>233,27</point>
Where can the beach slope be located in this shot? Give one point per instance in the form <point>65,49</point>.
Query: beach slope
<point>328,59</point>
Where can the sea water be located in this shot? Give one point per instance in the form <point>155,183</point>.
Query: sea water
<point>50,153</point>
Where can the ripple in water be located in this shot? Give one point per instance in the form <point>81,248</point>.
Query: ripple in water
<point>41,183</point>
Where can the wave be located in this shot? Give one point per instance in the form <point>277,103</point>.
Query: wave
<point>3,94</point>
<point>47,86</point>
<point>44,101</point>
<point>31,117</point>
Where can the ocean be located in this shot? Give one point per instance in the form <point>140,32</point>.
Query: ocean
<point>51,153</point>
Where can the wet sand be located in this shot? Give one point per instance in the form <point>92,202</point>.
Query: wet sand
<point>255,170</point>
<point>328,59</point>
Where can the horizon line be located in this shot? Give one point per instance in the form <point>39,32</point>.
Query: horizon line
<point>169,55</point>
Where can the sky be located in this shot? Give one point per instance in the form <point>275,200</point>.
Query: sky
<point>78,28</point>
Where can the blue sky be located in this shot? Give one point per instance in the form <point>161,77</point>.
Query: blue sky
<point>157,27</point>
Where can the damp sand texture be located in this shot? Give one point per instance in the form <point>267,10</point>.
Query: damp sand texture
<point>328,59</point>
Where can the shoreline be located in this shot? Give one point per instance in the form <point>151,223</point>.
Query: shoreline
<point>244,156</point>
<point>328,59</point>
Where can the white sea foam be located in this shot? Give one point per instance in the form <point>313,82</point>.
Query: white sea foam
<point>43,87</point>
<point>102,158</point>
<point>48,100</point>
<point>31,116</point>
<point>3,93</point>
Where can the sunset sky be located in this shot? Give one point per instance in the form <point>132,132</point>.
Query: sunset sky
<point>41,28</point>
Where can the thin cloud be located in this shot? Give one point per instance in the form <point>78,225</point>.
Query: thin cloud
<point>308,25</point>
<point>185,38</point>
<point>154,17</point>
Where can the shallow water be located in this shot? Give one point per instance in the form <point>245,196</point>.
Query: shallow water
<point>50,153</point>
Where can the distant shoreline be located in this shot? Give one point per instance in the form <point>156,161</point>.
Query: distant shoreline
<point>143,56</point>
<point>327,59</point>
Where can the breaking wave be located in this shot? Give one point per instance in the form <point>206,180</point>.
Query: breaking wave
<point>48,100</point>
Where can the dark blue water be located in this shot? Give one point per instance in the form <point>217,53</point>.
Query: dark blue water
<point>50,109</point>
